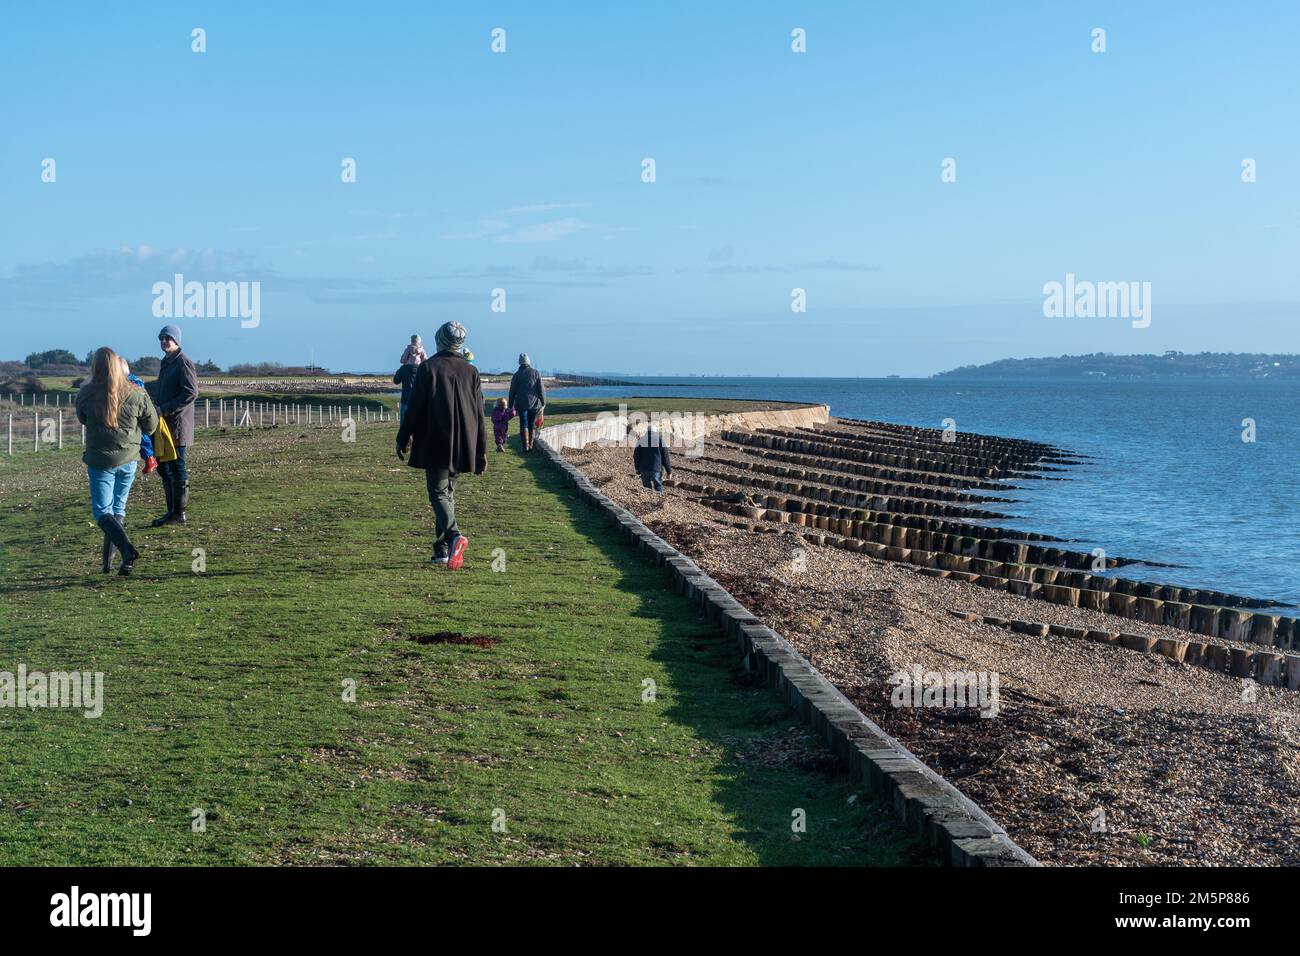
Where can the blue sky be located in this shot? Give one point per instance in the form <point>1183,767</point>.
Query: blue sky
<point>775,171</point>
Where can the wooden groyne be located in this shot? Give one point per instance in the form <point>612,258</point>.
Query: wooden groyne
<point>908,494</point>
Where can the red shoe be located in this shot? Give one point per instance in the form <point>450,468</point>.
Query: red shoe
<point>150,465</point>
<point>457,557</point>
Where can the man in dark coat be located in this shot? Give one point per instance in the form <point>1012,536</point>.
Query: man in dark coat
<point>174,393</point>
<point>405,377</point>
<point>651,460</point>
<point>443,429</point>
<point>527,398</point>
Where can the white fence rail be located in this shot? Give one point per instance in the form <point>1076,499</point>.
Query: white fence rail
<point>33,426</point>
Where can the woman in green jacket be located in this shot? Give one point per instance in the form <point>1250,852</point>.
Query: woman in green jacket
<point>115,414</point>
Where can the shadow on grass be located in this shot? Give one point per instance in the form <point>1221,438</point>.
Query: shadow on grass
<point>773,767</point>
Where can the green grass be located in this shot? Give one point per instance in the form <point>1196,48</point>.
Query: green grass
<point>224,689</point>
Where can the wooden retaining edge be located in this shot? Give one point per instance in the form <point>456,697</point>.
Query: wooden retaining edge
<point>932,809</point>
<point>1270,668</point>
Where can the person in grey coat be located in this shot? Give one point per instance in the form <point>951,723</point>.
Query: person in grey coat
<point>527,398</point>
<point>175,393</point>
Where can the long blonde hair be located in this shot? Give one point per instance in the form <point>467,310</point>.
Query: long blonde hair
<point>108,382</point>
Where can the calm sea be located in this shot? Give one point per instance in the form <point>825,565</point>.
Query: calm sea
<point>1171,479</point>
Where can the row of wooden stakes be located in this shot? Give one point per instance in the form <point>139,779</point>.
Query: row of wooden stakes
<point>821,449</point>
<point>1229,623</point>
<point>935,449</point>
<point>1271,668</point>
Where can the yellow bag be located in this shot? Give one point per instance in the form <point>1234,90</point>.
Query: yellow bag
<point>164,448</point>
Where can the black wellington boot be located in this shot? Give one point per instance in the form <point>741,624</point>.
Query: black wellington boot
<point>130,555</point>
<point>180,501</point>
<point>106,556</point>
<point>167,491</point>
<point>114,528</point>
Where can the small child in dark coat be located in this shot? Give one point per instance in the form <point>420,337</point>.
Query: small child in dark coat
<point>651,461</point>
<point>501,416</point>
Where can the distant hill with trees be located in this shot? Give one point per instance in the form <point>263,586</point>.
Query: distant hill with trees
<point>1104,365</point>
<point>63,362</point>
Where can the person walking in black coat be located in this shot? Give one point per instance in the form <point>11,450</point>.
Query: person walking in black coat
<point>405,377</point>
<point>527,398</point>
<point>443,430</point>
<point>651,461</point>
<point>175,393</point>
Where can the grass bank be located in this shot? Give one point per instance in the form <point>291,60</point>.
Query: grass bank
<point>224,690</point>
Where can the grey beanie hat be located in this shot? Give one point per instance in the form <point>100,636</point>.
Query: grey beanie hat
<point>450,337</point>
<point>172,332</point>
<point>523,359</point>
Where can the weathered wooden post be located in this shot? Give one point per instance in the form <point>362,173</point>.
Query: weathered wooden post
<point>11,433</point>
<point>60,429</point>
<point>207,413</point>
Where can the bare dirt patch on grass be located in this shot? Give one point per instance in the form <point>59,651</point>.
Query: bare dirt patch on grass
<point>455,637</point>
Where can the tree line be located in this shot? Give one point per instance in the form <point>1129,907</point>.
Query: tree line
<point>24,377</point>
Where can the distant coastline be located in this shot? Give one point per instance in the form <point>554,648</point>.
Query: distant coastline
<point>1170,365</point>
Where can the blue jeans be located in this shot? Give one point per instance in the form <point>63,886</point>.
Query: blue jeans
<point>526,418</point>
<point>109,488</point>
<point>653,479</point>
<point>401,412</point>
<point>175,469</point>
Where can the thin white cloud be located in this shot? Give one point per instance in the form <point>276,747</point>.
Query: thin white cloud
<point>501,227</point>
<point>821,265</point>
<point>548,231</point>
<point>543,207</point>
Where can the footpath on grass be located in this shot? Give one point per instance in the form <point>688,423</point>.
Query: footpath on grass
<point>287,680</point>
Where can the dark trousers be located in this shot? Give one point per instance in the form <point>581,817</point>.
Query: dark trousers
<point>442,495</point>
<point>653,479</point>
<point>173,470</point>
